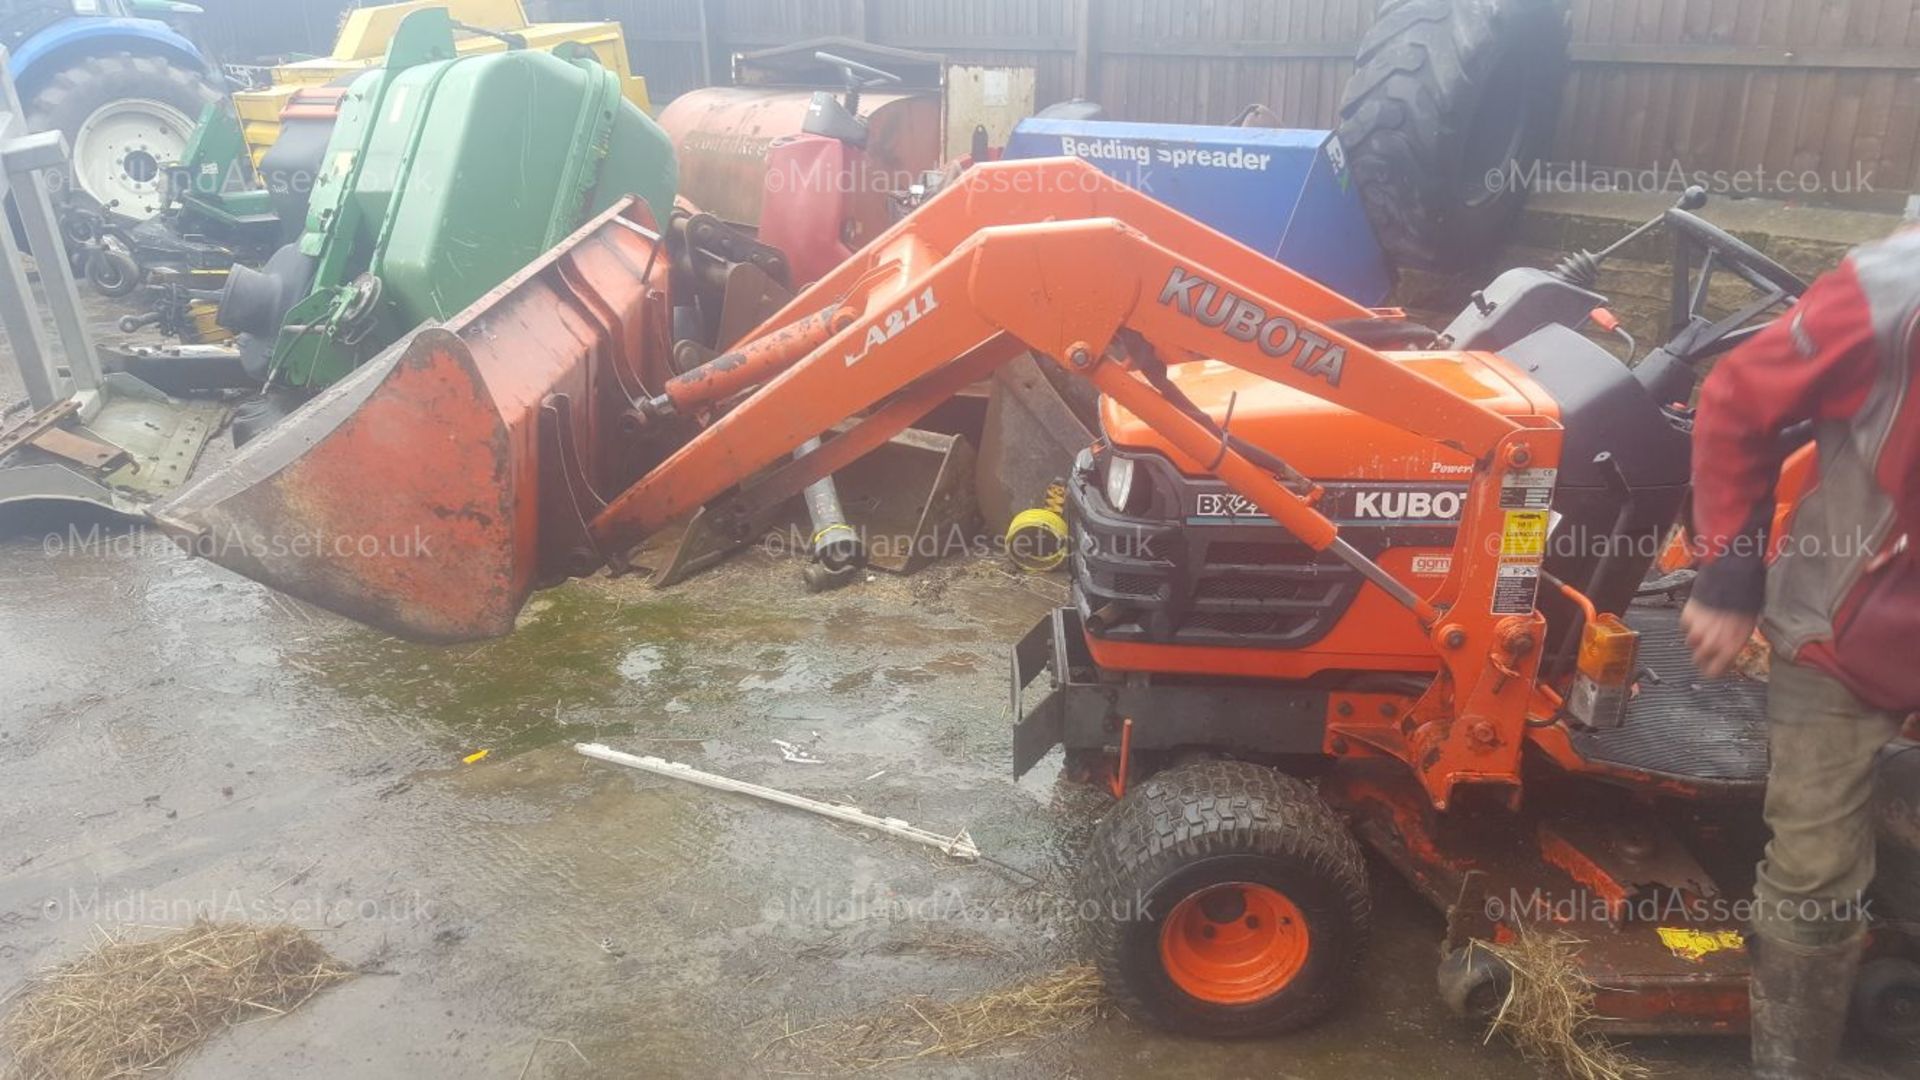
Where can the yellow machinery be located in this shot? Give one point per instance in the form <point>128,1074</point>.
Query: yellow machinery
<point>367,32</point>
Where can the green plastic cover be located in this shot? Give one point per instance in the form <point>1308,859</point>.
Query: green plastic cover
<point>515,151</point>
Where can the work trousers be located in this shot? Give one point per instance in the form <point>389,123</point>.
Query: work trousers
<point>1823,740</point>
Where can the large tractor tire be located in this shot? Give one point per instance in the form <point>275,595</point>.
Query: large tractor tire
<point>1896,807</point>
<point>126,116</point>
<point>1886,1000</point>
<point>1226,899</point>
<point>1450,106</point>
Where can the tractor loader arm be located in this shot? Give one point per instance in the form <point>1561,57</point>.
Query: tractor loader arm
<point>1032,283</point>
<point>1052,253</point>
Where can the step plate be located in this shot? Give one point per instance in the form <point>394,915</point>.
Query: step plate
<point>1682,725</point>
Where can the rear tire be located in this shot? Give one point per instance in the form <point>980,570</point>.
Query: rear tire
<point>1896,887</point>
<point>143,109</point>
<point>1227,900</point>
<point>1451,103</point>
<point>1886,1001</point>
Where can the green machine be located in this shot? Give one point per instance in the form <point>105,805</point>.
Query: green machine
<point>444,175</point>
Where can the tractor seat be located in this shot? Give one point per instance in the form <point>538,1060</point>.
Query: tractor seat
<point>1711,731</point>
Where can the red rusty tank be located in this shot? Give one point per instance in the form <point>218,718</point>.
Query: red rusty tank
<point>745,154</point>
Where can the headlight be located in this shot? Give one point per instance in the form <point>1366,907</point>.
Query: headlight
<point>1119,481</point>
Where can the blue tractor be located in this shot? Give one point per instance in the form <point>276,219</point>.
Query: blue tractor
<point>123,86</point>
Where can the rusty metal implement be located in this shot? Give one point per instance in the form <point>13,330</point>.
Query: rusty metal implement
<point>437,485</point>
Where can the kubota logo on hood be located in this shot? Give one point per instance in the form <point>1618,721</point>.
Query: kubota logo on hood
<point>1208,304</point>
<point>1421,505</point>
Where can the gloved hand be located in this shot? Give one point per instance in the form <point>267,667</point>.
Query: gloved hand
<point>1716,636</point>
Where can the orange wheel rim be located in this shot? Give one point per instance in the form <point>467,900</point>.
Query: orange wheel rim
<point>1234,943</point>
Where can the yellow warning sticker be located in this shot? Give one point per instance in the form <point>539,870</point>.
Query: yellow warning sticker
<point>1525,536</point>
<point>1695,945</point>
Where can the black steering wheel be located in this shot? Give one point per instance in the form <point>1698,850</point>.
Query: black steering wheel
<point>1699,245</point>
<point>857,76</point>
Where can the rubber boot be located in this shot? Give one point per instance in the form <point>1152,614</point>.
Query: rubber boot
<point>1800,995</point>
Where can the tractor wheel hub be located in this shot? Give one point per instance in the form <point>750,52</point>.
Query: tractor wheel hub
<point>1234,943</point>
<point>121,152</point>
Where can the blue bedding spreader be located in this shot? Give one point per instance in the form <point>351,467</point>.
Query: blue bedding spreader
<point>1282,192</point>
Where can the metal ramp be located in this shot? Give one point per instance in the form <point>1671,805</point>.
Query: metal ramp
<point>101,438</point>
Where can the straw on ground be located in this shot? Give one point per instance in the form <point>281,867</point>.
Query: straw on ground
<point>131,1007</point>
<point>923,1027</point>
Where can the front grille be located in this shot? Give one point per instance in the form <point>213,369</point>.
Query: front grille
<point>1257,553</point>
<point>1136,584</point>
<point>1242,587</point>
<point>1251,625</point>
<point>1173,583</point>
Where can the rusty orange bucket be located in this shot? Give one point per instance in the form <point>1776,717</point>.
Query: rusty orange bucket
<point>433,489</point>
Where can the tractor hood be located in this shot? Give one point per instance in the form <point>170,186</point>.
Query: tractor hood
<point>1326,441</point>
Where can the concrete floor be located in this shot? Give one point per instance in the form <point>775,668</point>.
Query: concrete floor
<point>177,741</point>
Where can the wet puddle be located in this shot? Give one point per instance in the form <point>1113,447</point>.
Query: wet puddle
<point>577,659</point>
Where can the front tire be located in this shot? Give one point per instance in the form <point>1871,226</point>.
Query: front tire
<point>1227,900</point>
<point>126,116</point>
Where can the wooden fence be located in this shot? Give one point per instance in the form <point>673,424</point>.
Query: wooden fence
<point>1775,88</point>
<point>1772,88</point>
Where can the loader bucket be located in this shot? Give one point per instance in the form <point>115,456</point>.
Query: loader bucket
<point>912,499</point>
<point>432,489</point>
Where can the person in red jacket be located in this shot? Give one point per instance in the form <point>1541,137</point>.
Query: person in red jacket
<point>1839,603</point>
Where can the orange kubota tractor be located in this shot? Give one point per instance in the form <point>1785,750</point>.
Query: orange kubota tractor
<point>1334,580</point>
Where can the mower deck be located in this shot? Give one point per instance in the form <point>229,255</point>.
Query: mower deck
<point>1661,935</point>
<point>1658,934</point>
